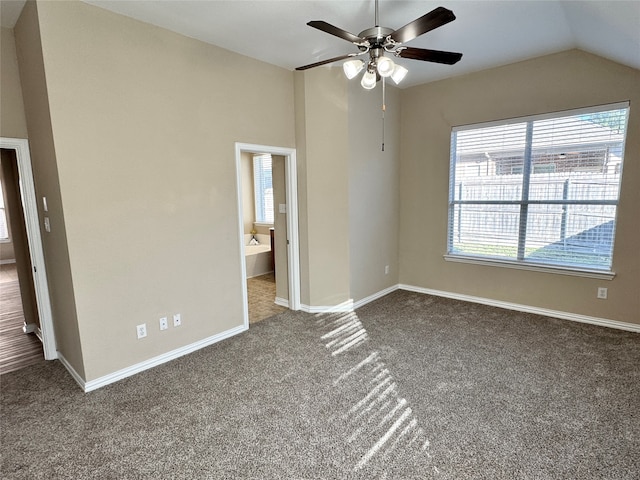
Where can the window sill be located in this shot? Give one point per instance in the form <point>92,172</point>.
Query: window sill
<point>576,272</point>
<point>262,224</point>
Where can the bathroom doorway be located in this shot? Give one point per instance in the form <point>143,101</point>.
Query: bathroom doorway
<point>268,221</point>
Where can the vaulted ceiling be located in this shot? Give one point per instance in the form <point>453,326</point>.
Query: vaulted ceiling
<point>489,33</point>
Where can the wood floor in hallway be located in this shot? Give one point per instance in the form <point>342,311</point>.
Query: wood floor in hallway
<point>17,349</point>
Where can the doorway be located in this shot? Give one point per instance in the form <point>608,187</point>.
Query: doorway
<point>276,233</point>
<point>30,271</point>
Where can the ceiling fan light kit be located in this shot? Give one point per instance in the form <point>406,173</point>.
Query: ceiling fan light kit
<point>385,66</point>
<point>352,68</point>
<point>369,79</point>
<point>399,72</point>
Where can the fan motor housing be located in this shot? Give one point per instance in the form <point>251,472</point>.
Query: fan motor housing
<point>376,35</point>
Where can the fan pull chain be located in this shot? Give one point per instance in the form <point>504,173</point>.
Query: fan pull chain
<point>384,107</point>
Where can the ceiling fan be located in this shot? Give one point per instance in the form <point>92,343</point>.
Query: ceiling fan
<point>377,40</point>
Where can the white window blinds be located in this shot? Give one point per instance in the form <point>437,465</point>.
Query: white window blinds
<point>540,190</point>
<point>263,188</point>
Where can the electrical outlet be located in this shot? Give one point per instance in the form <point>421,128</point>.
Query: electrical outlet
<point>602,292</point>
<point>141,330</point>
<point>386,270</point>
<point>177,320</point>
<point>164,323</point>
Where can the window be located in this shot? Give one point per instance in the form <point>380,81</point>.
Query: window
<point>263,188</point>
<point>4,228</point>
<point>538,191</point>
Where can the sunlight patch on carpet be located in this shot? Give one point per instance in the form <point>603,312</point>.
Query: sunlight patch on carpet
<point>381,412</point>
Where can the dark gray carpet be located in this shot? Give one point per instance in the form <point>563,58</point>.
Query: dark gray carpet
<point>410,386</point>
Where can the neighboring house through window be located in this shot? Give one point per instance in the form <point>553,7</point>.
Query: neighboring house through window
<point>539,190</point>
<point>263,188</point>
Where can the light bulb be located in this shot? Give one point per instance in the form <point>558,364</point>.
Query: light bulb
<point>399,72</point>
<point>385,66</point>
<point>352,68</point>
<point>369,80</point>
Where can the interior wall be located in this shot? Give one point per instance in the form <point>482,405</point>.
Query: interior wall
<point>562,81</point>
<point>29,50</point>
<point>13,123</point>
<point>300,92</point>
<point>7,254</point>
<point>248,201</point>
<point>323,146</point>
<point>145,124</point>
<point>374,189</point>
<point>280,227</point>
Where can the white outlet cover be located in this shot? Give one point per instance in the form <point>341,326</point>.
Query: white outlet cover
<point>164,323</point>
<point>141,330</point>
<point>177,320</point>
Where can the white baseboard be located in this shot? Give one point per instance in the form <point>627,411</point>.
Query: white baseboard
<point>362,302</point>
<point>29,327</point>
<point>152,362</point>
<point>283,302</point>
<point>346,306</point>
<point>574,317</point>
<point>72,371</point>
<point>7,262</point>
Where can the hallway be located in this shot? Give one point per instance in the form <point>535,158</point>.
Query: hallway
<point>17,349</point>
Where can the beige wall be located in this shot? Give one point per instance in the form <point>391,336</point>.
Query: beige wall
<point>562,81</point>
<point>301,167</point>
<point>45,172</point>
<point>374,195</point>
<point>12,119</point>
<point>145,122</point>
<point>280,227</point>
<point>7,253</point>
<point>323,149</point>
<point>248,202</point>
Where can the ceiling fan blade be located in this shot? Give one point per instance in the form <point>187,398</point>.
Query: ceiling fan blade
<point>324,62</point>
<point>434,19</point>
<point>333,30</point>
<point>437,56</point>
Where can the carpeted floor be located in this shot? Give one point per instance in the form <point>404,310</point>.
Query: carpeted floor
<point>408,387</point>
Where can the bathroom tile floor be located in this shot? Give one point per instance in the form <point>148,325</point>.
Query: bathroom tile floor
<point>262,293</point>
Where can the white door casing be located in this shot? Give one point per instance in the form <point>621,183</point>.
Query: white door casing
<point>34,239</point>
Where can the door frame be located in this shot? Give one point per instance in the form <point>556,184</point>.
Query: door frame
<point>34,240</point>
<point>291,192</point>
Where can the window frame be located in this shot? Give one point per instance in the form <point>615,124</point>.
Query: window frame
<point>521,262</point>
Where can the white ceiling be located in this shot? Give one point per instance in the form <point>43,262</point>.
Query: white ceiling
<point>488,32</point>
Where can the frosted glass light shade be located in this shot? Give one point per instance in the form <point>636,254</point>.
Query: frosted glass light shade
<point>352,68</point>
<point>369,80</point>
<point>399,72</point>
<point>385,66</point>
